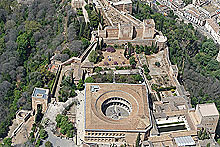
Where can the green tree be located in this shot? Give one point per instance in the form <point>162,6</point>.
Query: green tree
<point>130,48</point>
<point>72,93</point>
<point>218,141</point>
<point>87,31</point>
<point>89,80</point>
<point>7,142</point>
<point>137,7</point>
<point>138,49</point>
<point>146,70</point>
<point>25,43</point>
<point>132,61</point>
<point>2,45</point>
<point>85,42</point>
<point>94,20</point>
<point>38,143</point>
<point>213,65</point>
<point>39,114</point>
<point>209,48</point>
<point>66,126</point>
<point>137,78</point>
<point>48,144</point>
<point>43,134</point>
<point>98,69</point>
<point>147,50</point>
<point>157,64</point>
<point>138,140</point>
<point>154,48</point>
<point>80,85</point>
<point>122,78</point>
<point>208,145</point>
<point>93,56</point>
<point>81,29</point>
<point>31,26</point>
<point>202,134</point>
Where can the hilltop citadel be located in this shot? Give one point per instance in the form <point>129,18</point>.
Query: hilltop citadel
<point>154,107</point>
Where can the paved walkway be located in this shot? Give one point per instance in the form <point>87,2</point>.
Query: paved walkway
<point>85,14</point>
<point>57,108</point>
<point>57,141</point>
<point>52,111</point>
<point>121,72</point>
<point>80,115</point>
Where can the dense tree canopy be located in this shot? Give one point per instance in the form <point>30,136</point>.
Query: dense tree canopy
<point>93,56</point>
<point>66,126</point>
<point>67,90</point>
<point>43,134</point>
<point>48,144</point>
<point>29,35</point>
<point>89,80</point>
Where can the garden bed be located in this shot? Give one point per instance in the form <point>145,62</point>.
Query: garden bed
<point>131,79</point>
<point>103,78</point>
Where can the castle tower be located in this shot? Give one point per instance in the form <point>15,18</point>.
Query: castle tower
<point>149,29</point>
<point>40,97</point>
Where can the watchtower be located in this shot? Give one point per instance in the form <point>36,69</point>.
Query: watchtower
<point>40,98</point>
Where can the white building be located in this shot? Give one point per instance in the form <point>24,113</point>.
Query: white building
<point>195,14</point>
<point>214,29</point>
<point>207,116</point>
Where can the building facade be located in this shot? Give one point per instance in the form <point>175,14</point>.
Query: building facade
<point>123,5</point>
<point>116,113</point>
<point>120,27</point>
<point>214,29</point>
<point>77,3</point>
<point>207,116</point>
<point>195,14</point>
<point>40,97</point>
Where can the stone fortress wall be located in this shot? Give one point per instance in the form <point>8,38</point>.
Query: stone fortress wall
<point>123,27</point>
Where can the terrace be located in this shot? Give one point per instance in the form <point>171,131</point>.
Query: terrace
<point>116,58</point>
<point>161,75</point>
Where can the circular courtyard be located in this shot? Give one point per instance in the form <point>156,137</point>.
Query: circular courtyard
<point>116,108</point>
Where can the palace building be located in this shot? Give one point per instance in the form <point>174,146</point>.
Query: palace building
<point>116,112</point>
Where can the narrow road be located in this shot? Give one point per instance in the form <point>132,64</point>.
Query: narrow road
<point>121,72</point>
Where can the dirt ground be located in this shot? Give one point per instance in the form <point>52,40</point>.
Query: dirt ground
<point>112,57</point>
<point>22,136</point>
<point>160,75</point>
